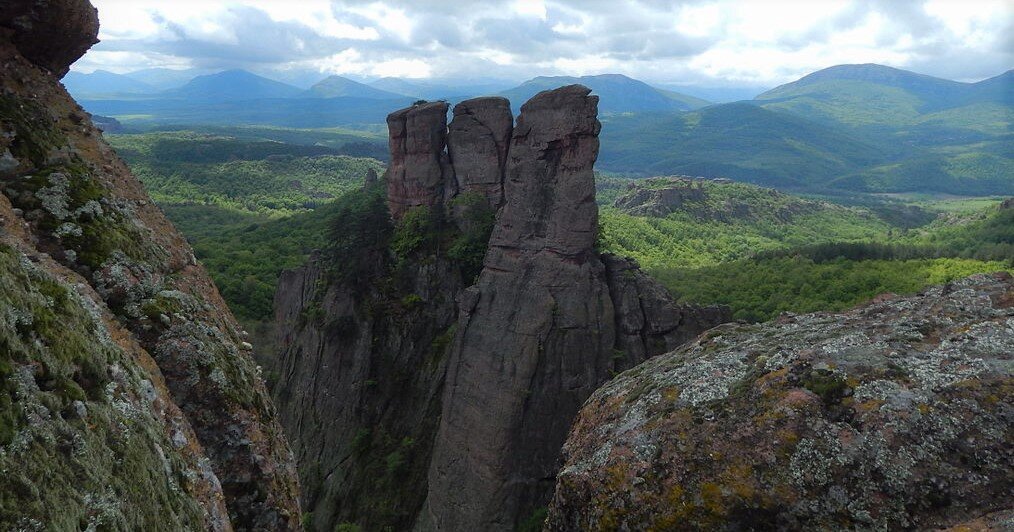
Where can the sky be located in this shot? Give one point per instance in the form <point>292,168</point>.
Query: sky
<point>677,42</point>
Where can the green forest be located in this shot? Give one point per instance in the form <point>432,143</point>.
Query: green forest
<point>252,205</point>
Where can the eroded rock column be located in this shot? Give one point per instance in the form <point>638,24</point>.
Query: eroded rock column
<point>535,334</point>
<point>420,173</point>
<point>478,140</point>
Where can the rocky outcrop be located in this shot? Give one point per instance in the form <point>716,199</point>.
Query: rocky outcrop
<point>542,328</point>
<point>890,416</point>
<point>659,197</point>
<point>419,173</point>
<point>425,382</point>
<point>130,386</point>
<point>478,138</point>
<point>52,34</point>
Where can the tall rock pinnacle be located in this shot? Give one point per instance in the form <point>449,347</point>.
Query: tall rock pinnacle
<point>481,381</point>
<point>419,171</point>
<point>538,332</point>
<point>478,140</point>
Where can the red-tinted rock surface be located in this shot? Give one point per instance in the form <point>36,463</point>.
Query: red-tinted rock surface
<point>50,33</point>
<point>895,415</point>
<point>419,173</point>
<point>414,384</point>
<point>539,331</point>
<point>478,139</point>
<point>80,210</point>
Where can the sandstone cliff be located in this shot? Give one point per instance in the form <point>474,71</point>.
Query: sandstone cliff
<point>895,415</point>
<point>418,393</point>
<point>127,399</point>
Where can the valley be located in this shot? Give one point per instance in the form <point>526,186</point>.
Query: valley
<point>254,202</point>
<point>345,267</point>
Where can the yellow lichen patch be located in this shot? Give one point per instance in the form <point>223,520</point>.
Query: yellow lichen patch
<point>869,406</point>
<point>671,394</point>
<point>712,499</point>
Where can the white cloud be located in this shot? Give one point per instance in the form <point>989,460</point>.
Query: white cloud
<point>677,41</point>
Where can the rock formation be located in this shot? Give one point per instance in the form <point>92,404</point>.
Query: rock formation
<point>128,398</point>
<point>419,173</point>
<point>415,385</point>
<point>895,415</point>
<point>477,141</point>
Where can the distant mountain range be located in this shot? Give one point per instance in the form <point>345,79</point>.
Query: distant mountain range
<point>337,86</point>
<point>617,94</point>
<point>867,128</point>
<point>102,83</point>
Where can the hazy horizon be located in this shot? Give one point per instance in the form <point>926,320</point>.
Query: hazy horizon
<point>665,42</point>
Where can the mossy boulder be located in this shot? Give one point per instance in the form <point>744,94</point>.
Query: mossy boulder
<point>895,415</point>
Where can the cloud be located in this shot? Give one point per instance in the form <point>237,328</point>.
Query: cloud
<point>711,42</point>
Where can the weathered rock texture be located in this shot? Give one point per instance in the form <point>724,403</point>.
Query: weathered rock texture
<point>895,415</point>
<point>418,400</point>
<point>477,141</point>
<point>712,200</point>
<point>50,33</point>
<point>128,400</point>
<point>419,173</point>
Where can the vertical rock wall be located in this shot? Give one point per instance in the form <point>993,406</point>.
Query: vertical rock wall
<point>81,216</point>
<point>498,369</point>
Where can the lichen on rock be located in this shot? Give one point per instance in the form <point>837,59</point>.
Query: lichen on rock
<point>893,415</point>
<point>72,210</point>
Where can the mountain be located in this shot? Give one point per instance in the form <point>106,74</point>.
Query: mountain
<point>102,83</point>
<point>857,95</point>
<point>128,396</point>
<point>716,94</point>
<point>165,78</point>
<point>737,140</point>
<point>289,112</point>
<point>617,93</point>
<point>233,85</point>
<point>400,86</point>
<point>335,86</point>
<point>955,136</point>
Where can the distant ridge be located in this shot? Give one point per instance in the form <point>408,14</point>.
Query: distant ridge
<point>335,86</point>
<point>102,83</point>
<point>232,85</point>
<point>617,93</point>
<point>933,93</point>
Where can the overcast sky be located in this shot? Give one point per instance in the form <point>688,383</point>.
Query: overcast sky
<point>717,43</point>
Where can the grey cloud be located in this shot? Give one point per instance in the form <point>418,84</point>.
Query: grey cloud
<point>639,34</point>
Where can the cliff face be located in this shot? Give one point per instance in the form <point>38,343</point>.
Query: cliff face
<point>893,415</point>
<point>127,396</point>
<point>472,387</point>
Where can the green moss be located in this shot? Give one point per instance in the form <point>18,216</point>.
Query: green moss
<point>88,465</point>
<point>34,134</point>
<point>417,229</point>
<point>440,344</point>
<point>475,218</point>
<point>829,386</point>
<point>102,231</point>
<point>159,305</point>
<point>534,522</point>
<point>411,301</point>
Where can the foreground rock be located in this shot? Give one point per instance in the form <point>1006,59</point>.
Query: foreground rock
<point>418,396</point>
<point>127,399</point>
<point>895,415</point>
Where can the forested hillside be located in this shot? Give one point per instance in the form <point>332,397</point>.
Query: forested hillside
<point>255,201</point>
